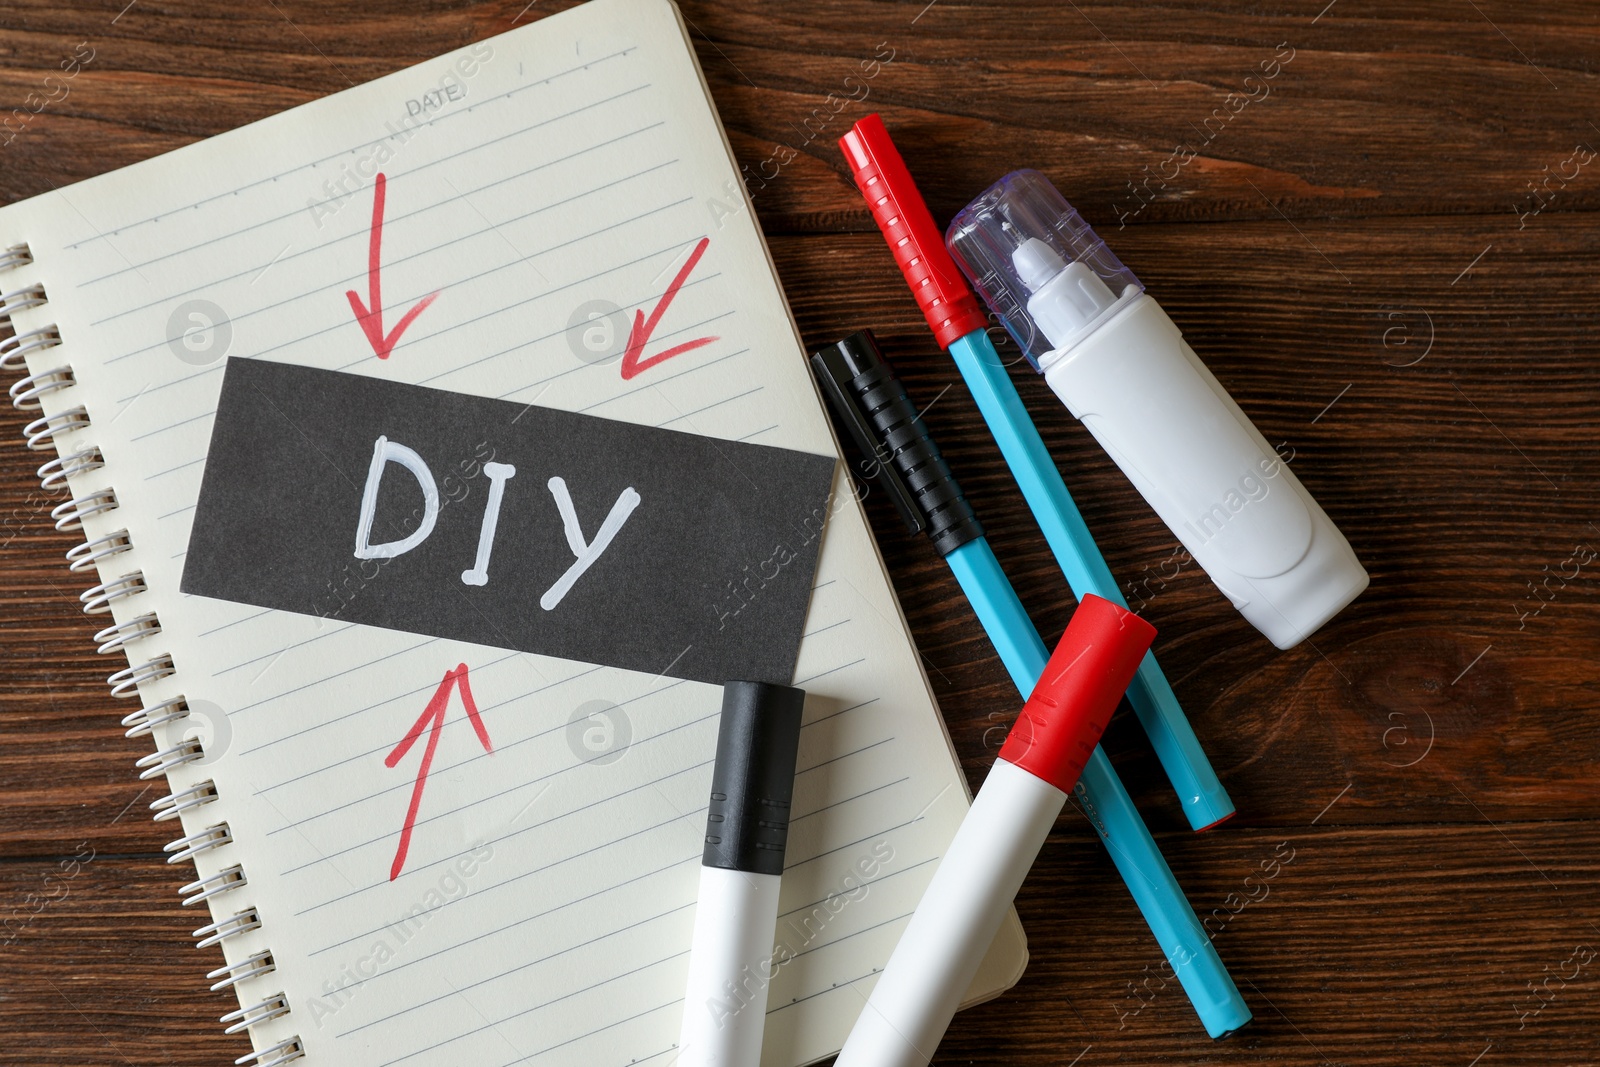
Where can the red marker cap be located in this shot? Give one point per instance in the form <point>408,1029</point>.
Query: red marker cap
<point>898,209</point>
<point>1080,688</point>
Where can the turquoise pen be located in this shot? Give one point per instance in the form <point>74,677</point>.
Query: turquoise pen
<point>872,406</point>
<point>961,328</point>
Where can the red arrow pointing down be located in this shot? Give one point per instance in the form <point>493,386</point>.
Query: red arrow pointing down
<point>371,317</point>
<point>643,327</point>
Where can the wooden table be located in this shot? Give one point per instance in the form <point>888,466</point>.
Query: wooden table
<point>1385,248</point>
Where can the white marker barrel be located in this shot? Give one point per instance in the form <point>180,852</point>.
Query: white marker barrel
<point>955,922</point>
<point>730,967</point>
<point>747,829</point>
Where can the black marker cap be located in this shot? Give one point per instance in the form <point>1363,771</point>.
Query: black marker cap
<point>872,405</point>
<point>747,825</point>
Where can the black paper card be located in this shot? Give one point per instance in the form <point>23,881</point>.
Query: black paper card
<point>505,524</point>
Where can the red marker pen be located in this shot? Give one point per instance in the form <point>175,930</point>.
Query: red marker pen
<point>978,878</point>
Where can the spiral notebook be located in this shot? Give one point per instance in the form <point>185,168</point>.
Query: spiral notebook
<point>428,828</point>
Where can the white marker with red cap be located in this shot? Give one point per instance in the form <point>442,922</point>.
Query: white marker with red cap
<point>978,878</point>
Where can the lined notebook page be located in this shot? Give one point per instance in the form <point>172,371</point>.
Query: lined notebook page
<point>545,908</point>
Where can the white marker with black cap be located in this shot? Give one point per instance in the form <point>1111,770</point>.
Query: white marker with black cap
<point>747,827</point>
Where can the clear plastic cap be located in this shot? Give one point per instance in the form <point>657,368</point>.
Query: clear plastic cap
<point>1037,264</point>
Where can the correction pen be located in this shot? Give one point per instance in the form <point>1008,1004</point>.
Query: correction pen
<point>736,916</point>
<point>1120,365</point>
<point>956,920</point>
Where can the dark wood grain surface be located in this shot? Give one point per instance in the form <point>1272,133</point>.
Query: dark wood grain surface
<point>1361,257</point>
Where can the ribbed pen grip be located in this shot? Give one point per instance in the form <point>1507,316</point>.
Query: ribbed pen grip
<point>752,782</point>
<point>881,397</point>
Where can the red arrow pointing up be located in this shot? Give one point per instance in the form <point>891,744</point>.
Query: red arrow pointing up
<point>431,720</point>
<point>371,317</point>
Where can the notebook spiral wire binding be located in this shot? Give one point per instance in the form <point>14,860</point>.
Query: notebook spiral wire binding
<point>97,553</point>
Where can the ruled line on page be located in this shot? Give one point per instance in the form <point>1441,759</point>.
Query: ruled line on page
<point>529,829</point>
<point>654,383</point>
<point>218,672</point>
<point>343,322</point>
<point>799,818</point>
<point>357,236</point>
<point>559,375</point>
<point>563,905</point>
<point>578,810</point>
<point>609,979</point>
<point>581,367</point>
<point>436,120</point>
<point>693,858</point>
<point>608,843</point>
<point>523,1058</point>
<point>674,1004</point>
<point>172,470</point>
<point>173,425</point>
<point>590,943</point>
<point>440,815</point>
<point>427,687</point>
<point>217,368</point>
<point>432,205</point>
<point>337,674</point>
